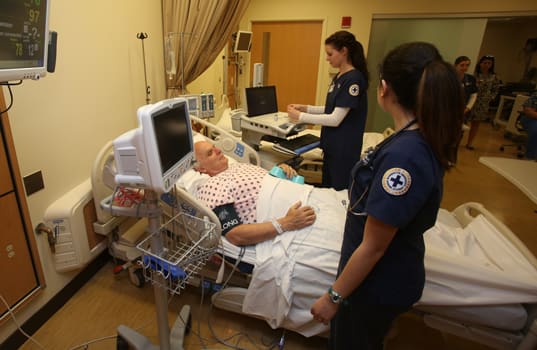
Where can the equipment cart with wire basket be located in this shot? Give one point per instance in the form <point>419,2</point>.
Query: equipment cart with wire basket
<point>172,253</point>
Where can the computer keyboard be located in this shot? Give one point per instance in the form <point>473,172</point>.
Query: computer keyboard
<point>299,144</point>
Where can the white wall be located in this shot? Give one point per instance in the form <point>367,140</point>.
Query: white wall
<point>60,122</point>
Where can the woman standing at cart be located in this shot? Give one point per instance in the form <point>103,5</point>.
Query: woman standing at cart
<point>394,198</point>
<point>344,115</point>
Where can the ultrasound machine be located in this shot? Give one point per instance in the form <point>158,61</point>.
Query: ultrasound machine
<point>263,121</point>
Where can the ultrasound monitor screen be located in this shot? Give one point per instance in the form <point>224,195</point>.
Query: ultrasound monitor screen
<point>261,100</point>
<point>173,139</point>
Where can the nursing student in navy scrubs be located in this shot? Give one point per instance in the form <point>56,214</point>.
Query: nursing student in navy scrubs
<point>344,115</point>
<point>394,197</point>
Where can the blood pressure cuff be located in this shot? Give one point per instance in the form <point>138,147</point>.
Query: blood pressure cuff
<point>228,217</point>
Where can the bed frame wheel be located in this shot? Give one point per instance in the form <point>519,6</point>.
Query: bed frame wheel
<point>136,277</point>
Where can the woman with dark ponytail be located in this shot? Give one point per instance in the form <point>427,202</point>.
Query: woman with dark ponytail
<point>394,198</point>
<point>344,114</point>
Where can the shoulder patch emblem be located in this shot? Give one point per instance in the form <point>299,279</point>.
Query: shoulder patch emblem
<point>354,90</point>
<point>396,181</point>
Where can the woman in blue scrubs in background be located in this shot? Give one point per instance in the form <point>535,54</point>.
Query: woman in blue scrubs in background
<point>394,198</point>
<point>344,115</point>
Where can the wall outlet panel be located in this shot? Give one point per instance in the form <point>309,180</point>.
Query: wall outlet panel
<point>33,182</point>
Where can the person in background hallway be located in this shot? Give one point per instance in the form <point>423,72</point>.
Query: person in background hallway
<point>488,85</point>
<point>469,86</point>
<point>468,82</point>
<point>394,198</point>
<point>529,122</point>
<point>344,114</point>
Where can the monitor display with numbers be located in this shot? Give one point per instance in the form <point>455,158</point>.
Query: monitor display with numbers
<point>23,39</point>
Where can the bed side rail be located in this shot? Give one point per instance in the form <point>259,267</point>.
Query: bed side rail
<point>466,212</point>
<point>182,201</point>
<point>229,144</point>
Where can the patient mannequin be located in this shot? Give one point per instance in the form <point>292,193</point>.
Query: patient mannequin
<point>232,193</point>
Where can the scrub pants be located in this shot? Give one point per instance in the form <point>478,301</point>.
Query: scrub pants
<point>337,171</point>
<point>530,125</point>
<point>362,327</point>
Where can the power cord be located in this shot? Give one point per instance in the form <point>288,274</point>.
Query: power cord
<point>18,325</point>
<point>9,85</point>
<point>240,335</point>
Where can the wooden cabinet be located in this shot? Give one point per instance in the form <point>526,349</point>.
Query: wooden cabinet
<point>6,184</point>
<point>20,268</point>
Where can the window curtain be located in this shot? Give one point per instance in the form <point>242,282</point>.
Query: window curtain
<point>195,32</point>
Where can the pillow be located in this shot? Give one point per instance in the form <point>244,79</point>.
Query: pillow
<point>196,137</point>
<point>191,180</point>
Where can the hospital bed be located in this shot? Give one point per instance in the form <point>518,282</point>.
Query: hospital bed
<point>481,279</point>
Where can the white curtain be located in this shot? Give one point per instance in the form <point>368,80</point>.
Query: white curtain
<point>195,31</point>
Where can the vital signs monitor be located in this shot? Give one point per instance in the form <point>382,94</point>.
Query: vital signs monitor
<point>159,151</point>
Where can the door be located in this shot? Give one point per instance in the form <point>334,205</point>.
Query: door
<point>290,53</point>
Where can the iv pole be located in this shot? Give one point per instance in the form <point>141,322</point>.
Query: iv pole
<point>182,56</point>
<point>143,36</point>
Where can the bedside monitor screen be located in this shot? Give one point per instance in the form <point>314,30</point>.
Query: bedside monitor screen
<point>172,135</point>
<point>154,155</point>
<point>243,40</point>
<point>261,100</point>
<point>24,39</point>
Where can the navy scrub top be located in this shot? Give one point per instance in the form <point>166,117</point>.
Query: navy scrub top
<point>347,90</point>
<point>405,191</point>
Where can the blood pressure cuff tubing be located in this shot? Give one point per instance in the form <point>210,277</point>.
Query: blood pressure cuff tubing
<point>228,217</point>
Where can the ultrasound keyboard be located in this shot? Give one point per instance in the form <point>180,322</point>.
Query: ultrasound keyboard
<point>299,144</point>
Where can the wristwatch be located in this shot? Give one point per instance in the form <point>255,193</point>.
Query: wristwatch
<point>334,296</point>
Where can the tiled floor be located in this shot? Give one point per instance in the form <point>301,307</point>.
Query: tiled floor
<point>107,300</point>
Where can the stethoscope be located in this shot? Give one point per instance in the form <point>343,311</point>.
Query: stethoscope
<point>366,164</point>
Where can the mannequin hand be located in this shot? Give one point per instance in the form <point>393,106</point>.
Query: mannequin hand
<point>298,217</point>
<point>289,171</point>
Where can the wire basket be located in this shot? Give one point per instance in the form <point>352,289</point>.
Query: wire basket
<point>178,250</point>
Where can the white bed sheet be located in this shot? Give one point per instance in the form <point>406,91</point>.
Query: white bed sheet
<point>473,273</point>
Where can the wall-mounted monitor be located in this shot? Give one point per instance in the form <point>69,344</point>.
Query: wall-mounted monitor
<point>159,151</point>
<point>24,37</point>
<point>243,41</point>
